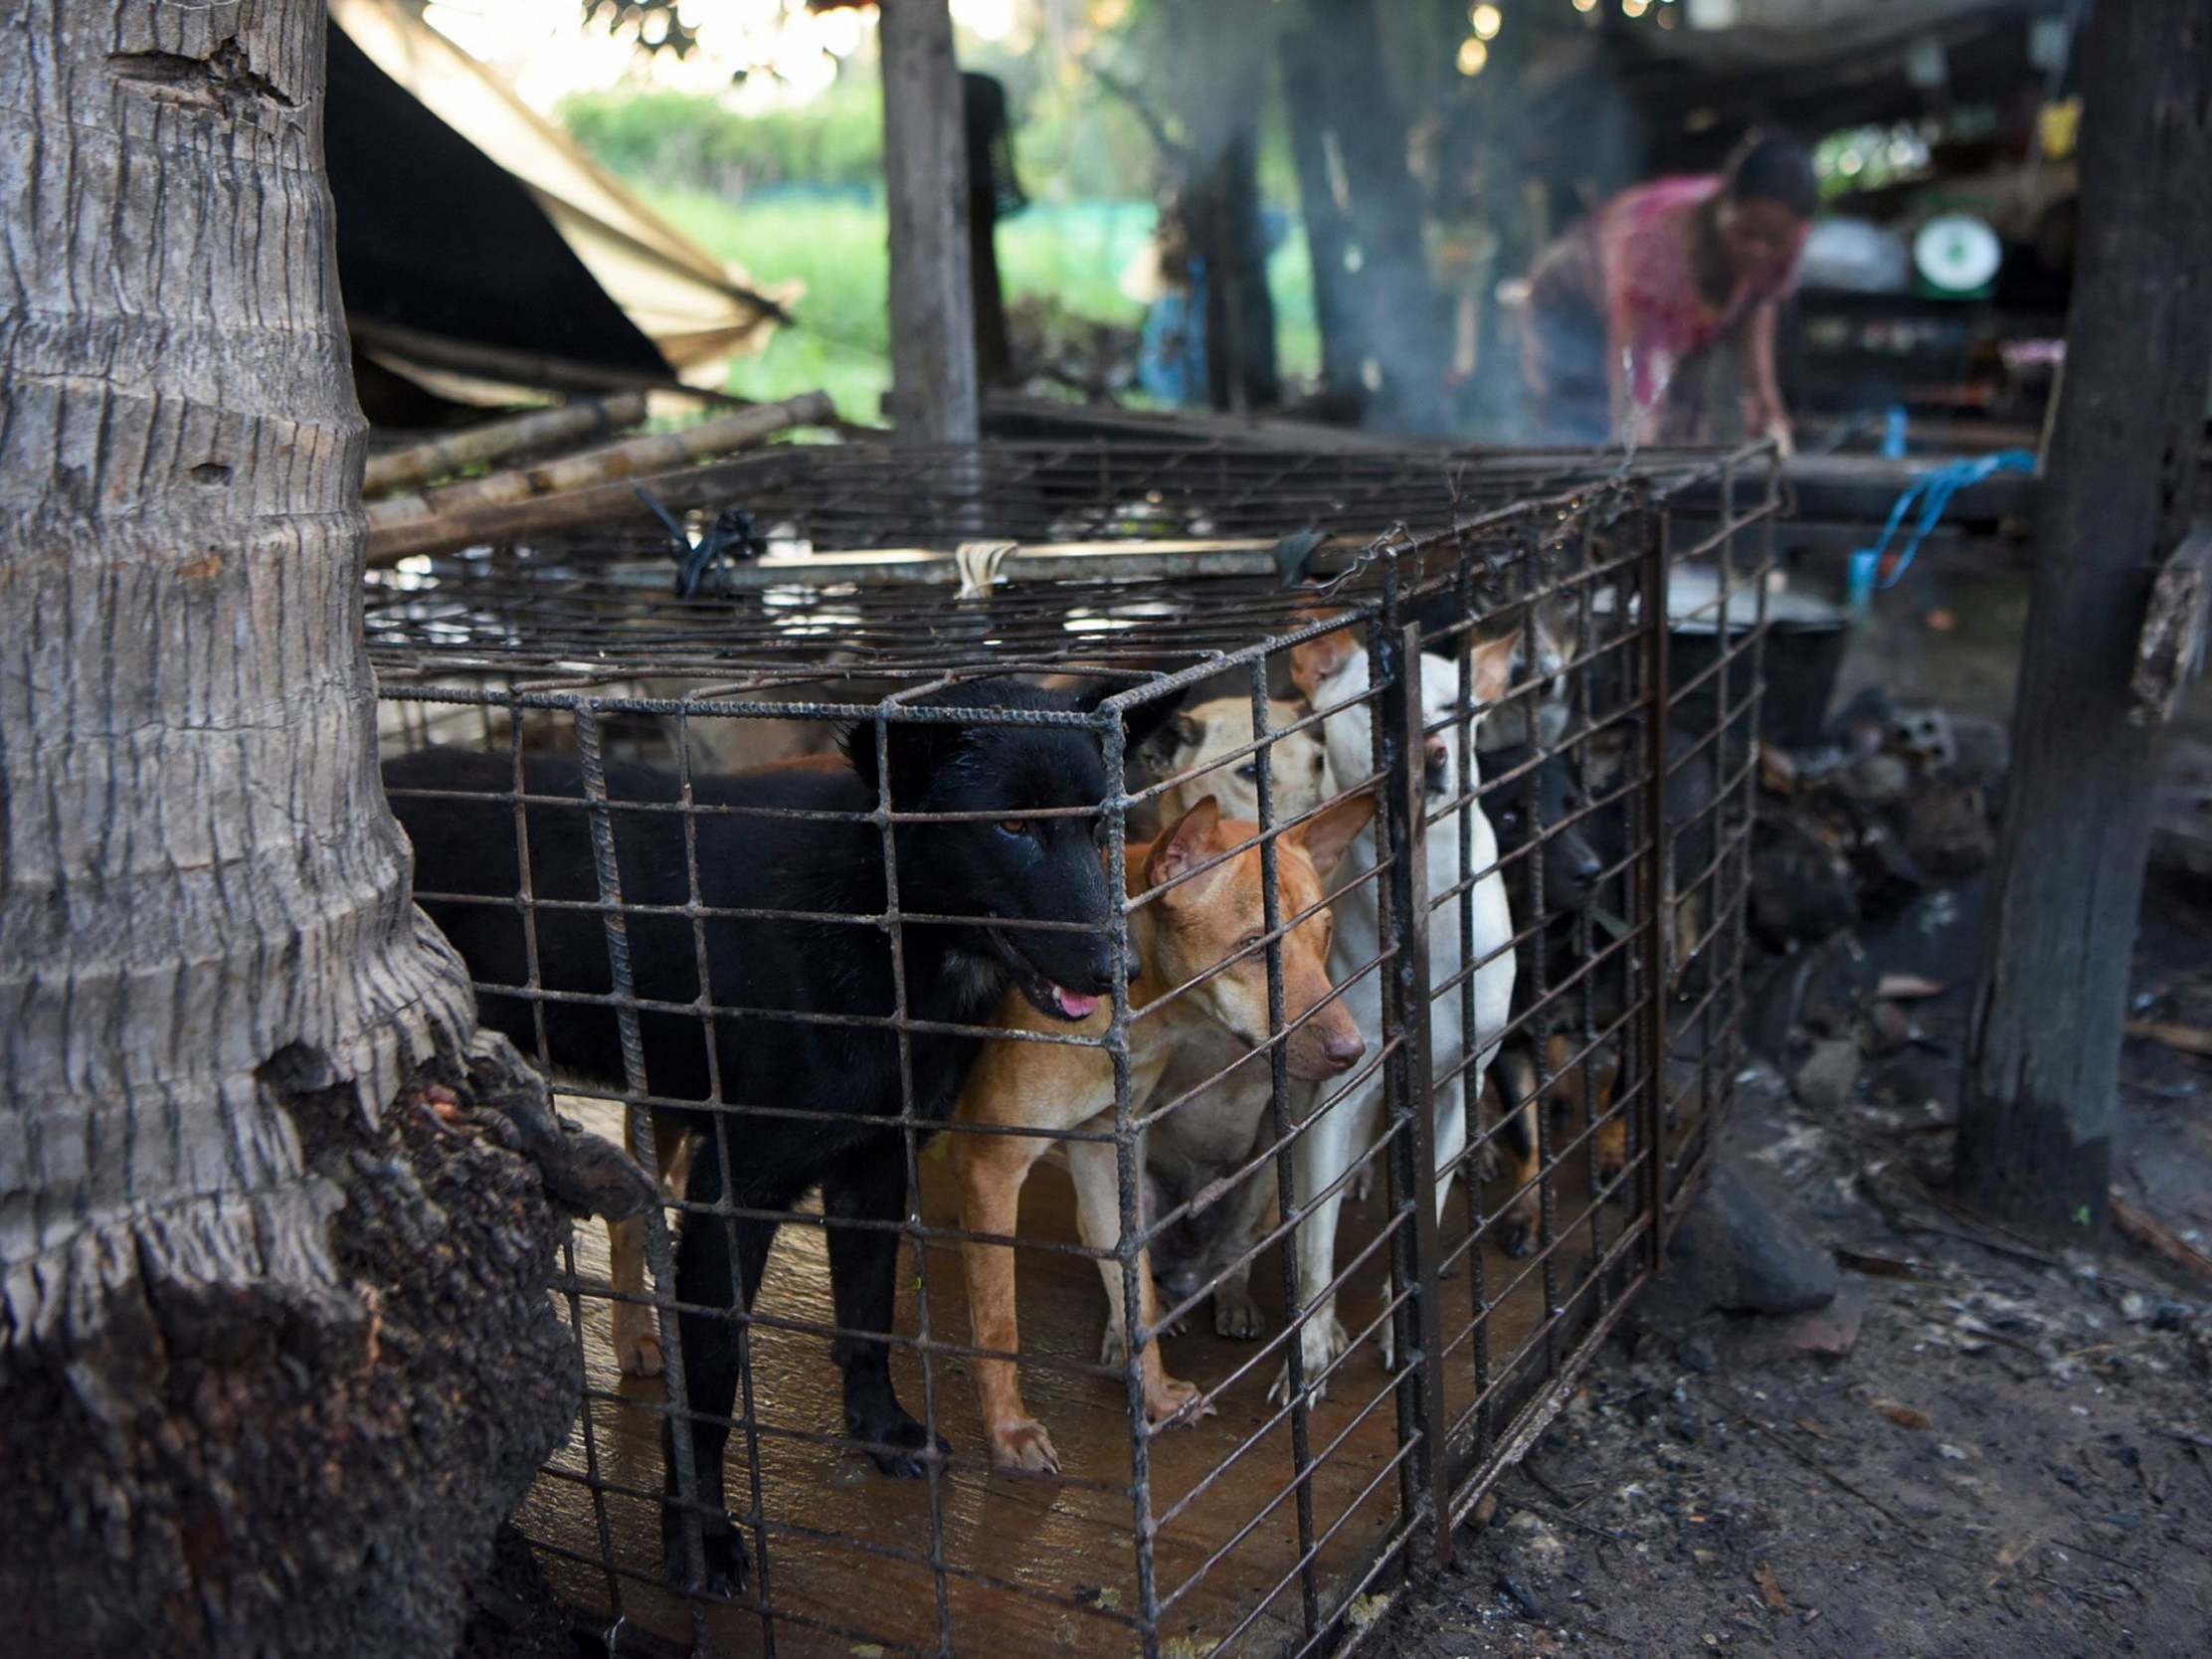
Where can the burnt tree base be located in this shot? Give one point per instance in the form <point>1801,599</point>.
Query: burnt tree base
<point>269,1470</point>
<point>2044,1175</point>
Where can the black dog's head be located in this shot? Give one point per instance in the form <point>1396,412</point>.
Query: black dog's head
<point>1572,864</point>
<point>1011,862</point>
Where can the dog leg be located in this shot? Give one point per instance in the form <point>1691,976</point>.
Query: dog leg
<point>636,1336</point>
<point>869,1183</point>
<point>1596,1088</point>
<point>1511,1098</point>
<point>1094,1166</point>
<point>1322,1154</point>
<point>991,1170</point>
<point>637,1327</point>
<point>1452,1150</point>
<point>1235,1314</point>
<point>709,1276</point>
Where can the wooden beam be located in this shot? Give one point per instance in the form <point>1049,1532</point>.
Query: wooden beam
<point>934,396</point>
<point>2035,1127</point>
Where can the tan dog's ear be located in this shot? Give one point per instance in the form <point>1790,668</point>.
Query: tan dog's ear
<point>1194,840</point>
<point>1315,663</point>
<point>1492,668</point>
<point>1328,836</point>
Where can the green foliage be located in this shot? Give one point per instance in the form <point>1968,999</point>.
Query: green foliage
<point>836,246</point>
<point>694,141</point>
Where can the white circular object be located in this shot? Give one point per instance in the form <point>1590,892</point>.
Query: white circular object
<point>1955,253</point>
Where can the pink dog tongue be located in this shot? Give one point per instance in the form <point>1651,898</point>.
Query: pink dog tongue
<point>1074,1006</point>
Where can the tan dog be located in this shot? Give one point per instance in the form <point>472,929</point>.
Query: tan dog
<point>1179,934</point>
<point>1202,736</point>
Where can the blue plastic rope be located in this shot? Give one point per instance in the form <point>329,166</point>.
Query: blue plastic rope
<point>1933,491</point>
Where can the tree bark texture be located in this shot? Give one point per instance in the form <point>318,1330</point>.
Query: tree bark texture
<point>2042,1067</point>
<point>273,1353</point>
<point>934,394</point>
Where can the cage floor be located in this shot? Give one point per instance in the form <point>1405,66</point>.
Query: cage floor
<point>1039,1565</point>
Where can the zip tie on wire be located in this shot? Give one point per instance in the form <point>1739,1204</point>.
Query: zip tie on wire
<point>1877,565</point>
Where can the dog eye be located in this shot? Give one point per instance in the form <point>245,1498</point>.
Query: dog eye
<point>1249,940</point>
<point>1017,827</point>
<point>1249,770</point>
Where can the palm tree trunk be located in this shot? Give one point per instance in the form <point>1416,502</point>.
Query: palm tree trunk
<point>266,1320</point>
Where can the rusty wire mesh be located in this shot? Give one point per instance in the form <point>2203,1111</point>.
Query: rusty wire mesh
<point>1479,1192</point>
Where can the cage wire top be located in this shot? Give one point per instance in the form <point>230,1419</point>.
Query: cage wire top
<point>1177,561</point>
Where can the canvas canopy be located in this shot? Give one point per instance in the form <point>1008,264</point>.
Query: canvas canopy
<point>468,220</point>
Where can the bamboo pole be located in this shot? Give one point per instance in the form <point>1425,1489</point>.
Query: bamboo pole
<point>415,523</point>
<point>437,457</point>
<point>580,490</point>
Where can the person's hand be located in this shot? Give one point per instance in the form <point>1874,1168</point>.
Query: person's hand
<point>1763,419</point>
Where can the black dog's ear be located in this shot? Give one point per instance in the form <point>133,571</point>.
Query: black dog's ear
<point>1142,722</point>
<point>919,751</point>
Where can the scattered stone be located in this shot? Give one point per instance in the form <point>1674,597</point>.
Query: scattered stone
<point>1537,1549</point>
<point>1982,750</point>
<point>1946,829</point>
<point>1697,1352</point>
<point>1880,779</point>
<point>1824,1333</point>
<point>1739,1249</point>
<point>1826,1080</point>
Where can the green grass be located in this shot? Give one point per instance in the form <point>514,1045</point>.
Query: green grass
<point>840,343</point>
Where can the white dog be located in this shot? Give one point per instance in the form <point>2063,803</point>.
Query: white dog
<point>1201,736</point>
<point>1331,671</point>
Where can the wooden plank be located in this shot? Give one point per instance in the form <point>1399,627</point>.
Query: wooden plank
<point>934,395</point>
<point>1040,1565</point>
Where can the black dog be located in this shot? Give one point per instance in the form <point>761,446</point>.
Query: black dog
<point>1005,866</point>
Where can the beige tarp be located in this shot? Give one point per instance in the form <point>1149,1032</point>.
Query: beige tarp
<point>699,312</point>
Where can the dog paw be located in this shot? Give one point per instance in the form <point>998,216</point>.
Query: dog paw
<point>1319,1341</point>
<point>1236,1315</point>
<point>1487,1161</point>
<point>1517,1231</point>
<point>636,1342</point>
<point>1612,1149</point>
<point>1023,1447</point>
<point>1172,1399</point>
<point>902,1446</point>
<point>725,1565</point>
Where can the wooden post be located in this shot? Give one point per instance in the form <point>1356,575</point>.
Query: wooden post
<point>925,161</point>
<point>2043,1056</point>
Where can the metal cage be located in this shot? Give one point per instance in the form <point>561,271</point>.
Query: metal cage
<point>1586,824</point>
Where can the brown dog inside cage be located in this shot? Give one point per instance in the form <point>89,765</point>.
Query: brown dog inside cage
<point>1363,1333</point>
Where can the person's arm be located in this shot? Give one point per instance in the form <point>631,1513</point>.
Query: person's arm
<point>1764,413</point>
<point>1638,366</point>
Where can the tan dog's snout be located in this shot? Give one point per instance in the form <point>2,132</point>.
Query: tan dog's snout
<point>1341,1042</point>
<point>1329,1042</point>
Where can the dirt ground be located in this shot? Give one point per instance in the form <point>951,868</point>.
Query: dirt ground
<point>2012,1458</point>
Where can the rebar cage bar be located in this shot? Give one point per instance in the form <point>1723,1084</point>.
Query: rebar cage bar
<point>1425,929</point>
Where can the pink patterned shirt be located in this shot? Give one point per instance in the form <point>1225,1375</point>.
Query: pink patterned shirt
<point>1627,267</point>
